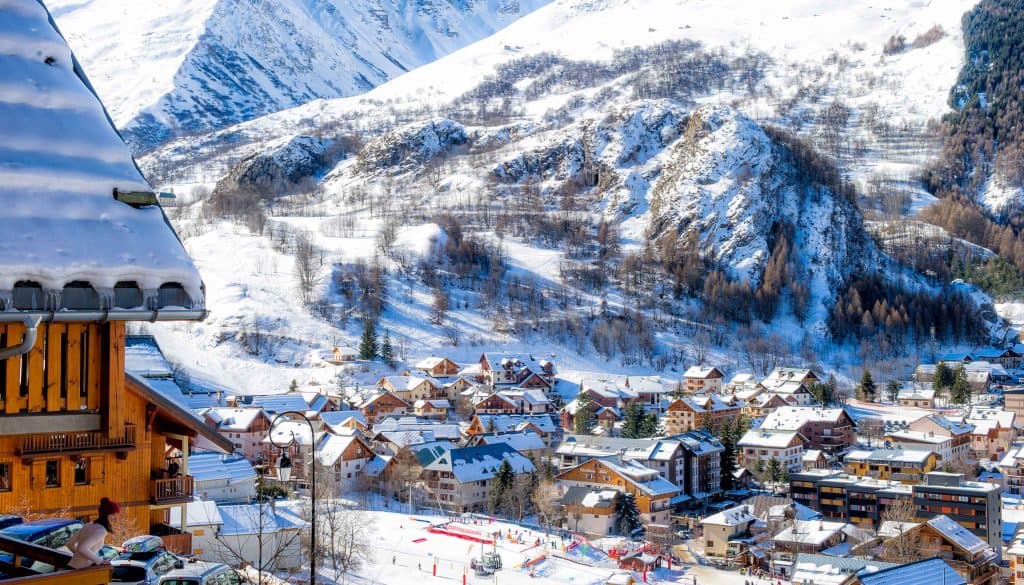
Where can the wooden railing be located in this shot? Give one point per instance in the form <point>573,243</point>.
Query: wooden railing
<point>25,554</point>
<point>77,442</point>
<point>173,490</point>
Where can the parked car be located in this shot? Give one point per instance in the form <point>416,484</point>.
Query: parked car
<point>143,561</point>
<point>202,573</point>
<point>8,520</point>
<point>50,532</point>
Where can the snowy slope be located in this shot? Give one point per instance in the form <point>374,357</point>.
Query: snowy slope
<point>168,68</point>
<point>593,98</point>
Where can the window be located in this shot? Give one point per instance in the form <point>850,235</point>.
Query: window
<point>5,477</point>
<point>82,471</point>
<point>52,473</point>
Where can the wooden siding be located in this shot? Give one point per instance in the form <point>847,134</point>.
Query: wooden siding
<point>53,381</point>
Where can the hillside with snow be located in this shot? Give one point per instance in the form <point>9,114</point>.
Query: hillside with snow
<point>707,166</point>
<point>166,68</point>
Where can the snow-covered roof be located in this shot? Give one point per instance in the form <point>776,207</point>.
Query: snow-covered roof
<point>504,423</point>
<point>644,478</point>
<point>216,467</point>
<point>811,532</point>
<point>403,383</point>
<point>61,161</point>
<point>986,418</point>
<point>926,572</point>
<point>889,456</point>
<point>916,391</point>
<point>482,462</point>
<point>731,517</point>
<point>437,403</point>
<point>957,534</point>
<point>832,570</point>
<point>768,438</point>
<point>791,418</point>
<point>142,355</point>
<point>636,449</point>
<point>374,467</point>
<point>288,432</point>
<point>918,437</point>
<point>523,441</point>
<point>438,429</point>
<point>200,513</point>
<point>249,519</point>
<point>275,403</point>
<point>331,447</point>
<point>811,455</point>
<point>429,362</point>
<point>702,372</point>
<point>699,442</point>
<point>894,528</point>
<point>233,419</point>
<point>336,419</point>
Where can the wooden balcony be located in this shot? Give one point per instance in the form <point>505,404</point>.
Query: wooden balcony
<point>26,555</point>
<point>79,442</point>
<point>175,490</point>
<point>88,576</point>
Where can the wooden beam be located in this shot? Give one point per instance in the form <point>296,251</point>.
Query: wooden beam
<point>20,548</point>
<point>95,355</point>
<point>74,366</point>
<point>54,338</point>
<point>36,399</point>
<point>13,404</point>
<point>114,379</point>
<point>88,576</point>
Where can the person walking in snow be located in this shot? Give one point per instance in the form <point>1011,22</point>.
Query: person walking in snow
<point>87,542</point>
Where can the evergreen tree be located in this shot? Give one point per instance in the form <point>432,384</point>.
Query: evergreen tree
<point>627,514</point>
<point>960,390</point>
<point>678,392</point>
<point>943,378</point>
<point>727,434</point>
<point>892,390</point>
<point>867,388</point>
<point>556,401</point>
<point>773,471</point>
<point>822,392</point>
<point>368,343</point>
<point>585,419</point>
<point>294,386</point>
<point>501,488</point>
<point>649,425</point>
<point>387,353</point>
<point>632,420</point>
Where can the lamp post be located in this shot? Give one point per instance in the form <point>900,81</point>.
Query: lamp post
<point>284,473</point>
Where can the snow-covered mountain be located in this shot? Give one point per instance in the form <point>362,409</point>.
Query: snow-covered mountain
<point>709,126</point>
<point>167,68</point>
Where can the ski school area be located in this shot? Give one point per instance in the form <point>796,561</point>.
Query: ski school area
<point>476,549</point>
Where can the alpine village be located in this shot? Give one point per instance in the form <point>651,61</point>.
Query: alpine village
<point>511,291</point>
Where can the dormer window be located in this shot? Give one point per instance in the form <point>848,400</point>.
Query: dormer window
<point>127,295</point>
<point>80,296</point>
<point>28,296</point>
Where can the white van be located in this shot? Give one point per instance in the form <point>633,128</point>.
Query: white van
<point>203,573</point>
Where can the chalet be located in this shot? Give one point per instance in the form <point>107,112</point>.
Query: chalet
<point>1012,467</point>
<point>970,556</point>
<point>335,421</point>
<point>814,459</point>
<point>543,425</point>
<point>344,458</point>
<point>89,250</point>
<point>495,403</point>
<point>650,392</point>
<point>516,369</point>
<point>1008,358</point>
<point>437,367</point>
<point>461,479</point>
<point>758,447</point>
<point>905,466</point>
<point>653,493</point>
<point>437,429</point>
<point>828,429</point>
<point>251,533</point>
<point>700,411</point>
<point>590,511</point>
<point>956,359</point>
<point>809,536</point>
<point>782,375</point>
<point>994,431</point>
<point>528,401</point>
<point>666,456</point>
<point>703,380</point>
<point>410,388</point>
<point>432,408</point>
<point>606,417</point>
<point>762,404</point>
<point>724,527</point>
<point>941,445</point>
<point>916,395</point>
<point>607,394</point>
<point>301,444</point>
<point>958,432</point>
<point>244,427</point>
<point>383,405</point>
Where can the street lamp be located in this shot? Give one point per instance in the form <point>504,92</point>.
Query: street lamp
<point>284,473</point>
